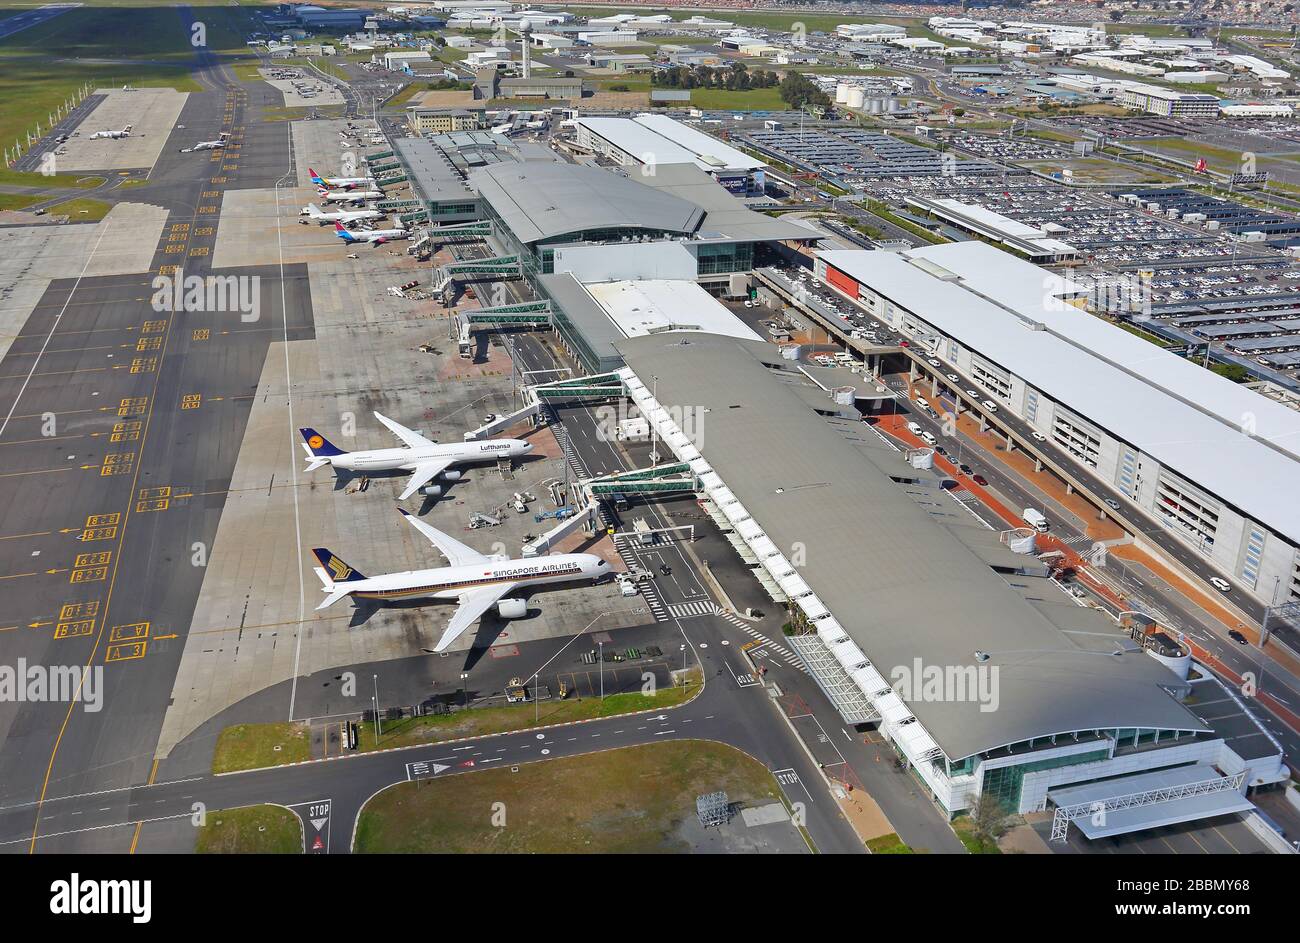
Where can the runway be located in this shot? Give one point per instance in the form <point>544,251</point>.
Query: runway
<point>124,415</point>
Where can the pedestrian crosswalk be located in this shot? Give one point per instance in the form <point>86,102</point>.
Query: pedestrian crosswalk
<point>780,651</point>
<point>688,610</point>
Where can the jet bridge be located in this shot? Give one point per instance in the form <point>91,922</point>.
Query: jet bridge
<point>497,267</point>
<point>659,479</point>
<point>585,518</point>
<point>601,386</point>
<point>381,155</point>
<point>399,206</point>
<point>536,313</point>
<point>456,232</point>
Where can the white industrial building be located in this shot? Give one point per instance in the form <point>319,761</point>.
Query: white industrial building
<point>1168,102</point>
<point>1214,463</point>
<point>1256,110</point>
<point>869,32</point>
<point>649,140</point>
<point>1035,244</point>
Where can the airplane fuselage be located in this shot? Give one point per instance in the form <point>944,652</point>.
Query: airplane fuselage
<point>403,459</point>
<point>450,582</point>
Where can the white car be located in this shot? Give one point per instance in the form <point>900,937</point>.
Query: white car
<point>990,405</point>
<point>1038,437</point>
<point>952,376</point>
<point>933,361</point>
<point>973,394</point>
<point>1220,584</point>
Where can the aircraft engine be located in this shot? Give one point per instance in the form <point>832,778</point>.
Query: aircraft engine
<point>452,475</point>
<point>512,608</point>
<point>431,491</point>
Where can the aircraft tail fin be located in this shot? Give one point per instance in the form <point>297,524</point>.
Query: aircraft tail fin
<point>318,446</point>
<point>336,569</point>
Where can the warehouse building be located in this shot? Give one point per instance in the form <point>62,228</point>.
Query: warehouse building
<point>1077,702</point>
<point>1224,484</point>
<point>650,140</point>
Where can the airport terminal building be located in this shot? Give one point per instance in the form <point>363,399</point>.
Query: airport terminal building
<point>1213,462</point>
<point>898,584</point>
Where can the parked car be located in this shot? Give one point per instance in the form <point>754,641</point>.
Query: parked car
<point>966,469</point>
<point>1112,504</point>
<point>1219,583</point>
<point>979,480</point>
<point>1038,437</point>
<point>990,405</point>
<point>1238,637</point>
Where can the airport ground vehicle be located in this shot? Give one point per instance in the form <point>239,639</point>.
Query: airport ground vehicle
<point>1035,519</point>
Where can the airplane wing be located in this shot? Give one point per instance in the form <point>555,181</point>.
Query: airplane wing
<point>410,437</point>
<point>457,553</point>
<point>423,474</point>
<point>472,605</point>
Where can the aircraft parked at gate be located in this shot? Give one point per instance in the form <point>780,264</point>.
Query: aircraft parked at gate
<point>476,581</point>
<point>424,458</point>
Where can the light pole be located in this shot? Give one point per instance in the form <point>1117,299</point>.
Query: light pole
<point>683,650</point>
<point>654,428</point>
<point>377,727</point>
<point>601,648</point>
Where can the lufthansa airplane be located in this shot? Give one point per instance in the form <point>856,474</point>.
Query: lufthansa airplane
<point>423,458</point>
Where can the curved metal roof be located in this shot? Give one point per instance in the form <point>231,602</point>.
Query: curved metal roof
<point>545,200</point>
<point>900,584</point>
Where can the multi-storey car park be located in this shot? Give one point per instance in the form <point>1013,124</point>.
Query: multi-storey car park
<point>1212,462</point>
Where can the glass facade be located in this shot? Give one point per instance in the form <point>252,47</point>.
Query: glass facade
<point>724,258</point>
<point>1005,782</point>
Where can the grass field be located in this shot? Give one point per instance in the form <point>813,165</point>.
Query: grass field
<point>629,801</point>
<point>41,68</point>
<point>252,746</point>
<point>17,201</point>
<point>253,830</point>
<point>757,99</point>
<point>80,210</point>
<point>488,720</point>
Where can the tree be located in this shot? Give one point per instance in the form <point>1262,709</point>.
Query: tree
<point>988,819</point>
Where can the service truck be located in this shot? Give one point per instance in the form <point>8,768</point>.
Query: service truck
<point>1034,518</point>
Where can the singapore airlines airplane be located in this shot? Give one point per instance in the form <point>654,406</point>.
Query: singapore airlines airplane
<point>349,196</point>
<point>477,582</point>
<point>423,458</point>
<point>342,183</point>
<point>342,216</point>
<point>375,237</point>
